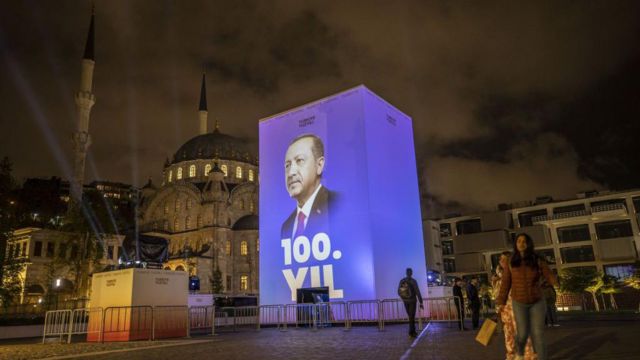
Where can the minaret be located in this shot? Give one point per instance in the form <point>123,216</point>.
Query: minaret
<point>84,102</point>
<point>203,108</point>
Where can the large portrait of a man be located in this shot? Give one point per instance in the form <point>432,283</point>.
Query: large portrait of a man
<point>303,165</point>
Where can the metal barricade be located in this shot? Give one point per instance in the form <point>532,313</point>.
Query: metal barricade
<point>223,318</point>
<point>442,309</point>
<point>337,313</point>
<point>270,315</point>
<point>56,323</point>
<point>201,319</point>
<point>393,310</point>
<point>246,317</point>
<point>364,311</point>
<point>125,323</point>
<point>302,315</point>
<point>86,321</point>
<point>170,322</point>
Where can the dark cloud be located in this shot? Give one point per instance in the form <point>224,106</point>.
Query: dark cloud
<point>509,99</point>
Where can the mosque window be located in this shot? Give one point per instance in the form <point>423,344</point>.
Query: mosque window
<point>187,223</point>
<point>199,221</point>
<point>252,206</point>
<point>250,175</point>
<point>166,225</point>
<point>192,171</point>
<point>238,172</point>
<point>224,170</point>
<point>176,224</point>
<point>170,176</point>
<point>179,174</point>
<point>244,248</point>
<point>244,282</point>
<point>189,203</point>
<point>207,169</point>
<point>177,204</point>
<point>166,208</point>
<point>227,247</point>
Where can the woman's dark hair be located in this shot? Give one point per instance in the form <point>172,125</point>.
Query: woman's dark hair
<point>530,258</point>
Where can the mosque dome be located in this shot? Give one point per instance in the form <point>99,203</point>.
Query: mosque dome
<point>247,222</point>
<point>215,145</point>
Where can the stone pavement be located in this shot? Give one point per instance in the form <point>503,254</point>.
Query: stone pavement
<point>573,340</point>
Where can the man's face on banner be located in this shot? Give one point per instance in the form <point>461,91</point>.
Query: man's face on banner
<point>302,170</point>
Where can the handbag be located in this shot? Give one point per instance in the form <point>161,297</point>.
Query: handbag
<point>486,332</point>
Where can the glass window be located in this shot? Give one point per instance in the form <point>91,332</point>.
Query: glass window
<point>244,248</point>
<point>526,218</point>
<point>178,204</point>
<point>447,247</point>
<point>50,249</point>
<point>166,208</point>
<point>189,203</point>
<point>449,265</point>
<point>252,206</point>
<point>176,224</point>
<point>636,204</point>
<point>614,229</point>
<point>179,174</point>
<point>620,271</point>
<point>250,175</point>
<point>228,247</point>
<point>568,209</point>
<point>445,230</point>
<point>110,252</point>
<point>199,221</point>
<point>207,169</point>
<point>574,233</point>
<point>24,248</point>
<point>468,226</point>
<point>577,254</point>
<point>238,172</point>
<point>548,255</point>
<point>244,282</point>
<point>166,225</point>
<point>192,171</point>
<point>37,249</point>
<point>170,178</point>
<point>62,251</point>
<point>224,170</point>
<point>187,223</point>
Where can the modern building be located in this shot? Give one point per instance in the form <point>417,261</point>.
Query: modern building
<point>596,229</point>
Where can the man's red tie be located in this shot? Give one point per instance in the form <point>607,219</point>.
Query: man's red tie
<point>300,227</point>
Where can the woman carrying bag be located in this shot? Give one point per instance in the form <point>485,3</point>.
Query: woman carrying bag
<point>522,280</point>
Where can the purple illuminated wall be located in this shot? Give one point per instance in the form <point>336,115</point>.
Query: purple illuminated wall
<point>371,225</point>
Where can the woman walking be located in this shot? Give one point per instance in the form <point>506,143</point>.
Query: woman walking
<point>506,316</point>
<point>522,279</point>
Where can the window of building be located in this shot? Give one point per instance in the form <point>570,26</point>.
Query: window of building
<point>449,265</point>
<point>250,175</point>
<point>238,172</point>
<point>179,174</point>
<point>227,247</point>
<point>192,171</point>
<point>620,271</point>
<point>574,233</point>
<point>166,225</point>
<point>187,223</point>
<point>199,221</point>
<point>37,248</point>
<point>207,169</point>
<point>568,209</point>
<point>577,254</point>
<point>178,204</point>
<point>224,170</point>
<point>468,226</point>
<point>51,247</point>
<point>244,282</point>
<point>74,252</point>
<point>445,230</point>
<point>636,204</point>
<point>189,203</point>
<point>614,229</point>
<point>110,252</point>
<point>244,248</point>
<point>447,247</point>
<point>610,204</point>
<point>24,248</point>
<point>62,251</point>
<point>526,218</point>
<point>176,224</point>
<point>170,177</point>
<point>252,206</point>
<point>548,255</point>
<point>229,283</point>
<point>258,244</point>
<point>166,208</point>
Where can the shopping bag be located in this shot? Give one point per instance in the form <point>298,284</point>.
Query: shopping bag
<point>486,332</point>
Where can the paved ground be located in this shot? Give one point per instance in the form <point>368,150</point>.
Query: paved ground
<point>574,340</point>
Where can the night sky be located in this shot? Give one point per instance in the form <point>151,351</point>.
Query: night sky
<point>509,100</point>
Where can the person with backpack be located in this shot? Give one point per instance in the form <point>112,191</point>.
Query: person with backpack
<point>409,292</point>
<point>521,279</point>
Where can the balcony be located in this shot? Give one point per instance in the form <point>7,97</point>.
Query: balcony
<point>539,233</point>
<point>609,210</point>
<point>596,211</point>
<point>617,249</point>
<point>482,241</point>
<point>469,263</point>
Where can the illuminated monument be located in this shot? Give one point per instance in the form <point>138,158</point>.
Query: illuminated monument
<point>339,200</point>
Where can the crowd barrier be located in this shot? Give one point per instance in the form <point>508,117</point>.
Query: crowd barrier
<point>127,323</point>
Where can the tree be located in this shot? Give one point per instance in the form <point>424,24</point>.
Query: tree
<point>577,280</point>
<point>633,281</point>
<point>11,281</point>
<point>216,281</point>
<point>610,286</point>
<point>594,288</point>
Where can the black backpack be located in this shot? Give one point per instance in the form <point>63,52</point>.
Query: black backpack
<point>405,291</point>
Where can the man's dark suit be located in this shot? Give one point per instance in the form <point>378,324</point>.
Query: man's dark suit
<point>318,217</point>
<point>474,304</point>
<point>459,301</point>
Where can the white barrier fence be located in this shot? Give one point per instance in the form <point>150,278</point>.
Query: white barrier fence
<point>180,321</point>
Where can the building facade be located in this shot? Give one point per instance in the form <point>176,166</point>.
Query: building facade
<point>596,229</point>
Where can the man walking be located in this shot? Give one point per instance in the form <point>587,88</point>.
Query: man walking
<point>459,301</point>
<point>474,302</point>
<point>409,291</point>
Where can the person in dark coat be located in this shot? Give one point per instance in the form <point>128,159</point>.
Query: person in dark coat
<point>474,302</point>
<point>459,301</point>
<point>411,300</point>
